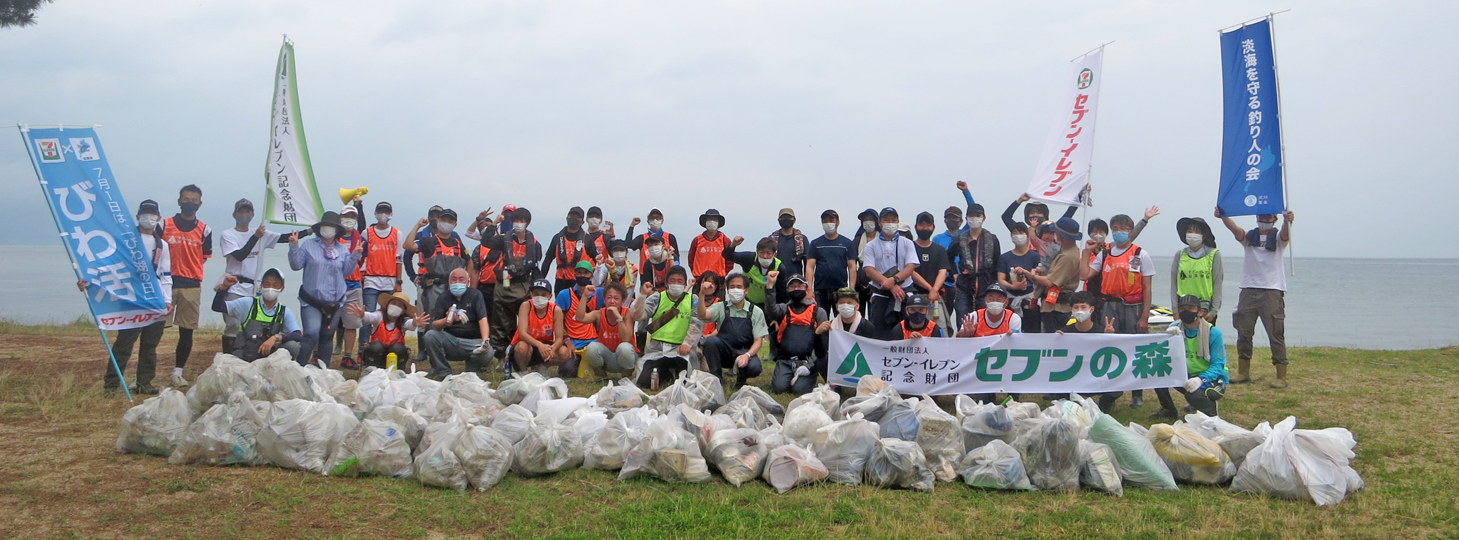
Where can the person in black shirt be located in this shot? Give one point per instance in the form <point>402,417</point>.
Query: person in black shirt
<point>458,328</point>
<point>933,269</point>
<point>517,255</point>
<point>1082,310</point>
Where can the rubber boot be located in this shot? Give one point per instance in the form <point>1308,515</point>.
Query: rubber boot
<point>228,343</point>
<point>1281,381</point>
<point>1243,372</point>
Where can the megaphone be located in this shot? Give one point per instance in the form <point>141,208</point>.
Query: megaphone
<point>347,195</point>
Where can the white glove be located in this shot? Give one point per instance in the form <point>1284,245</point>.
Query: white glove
<point>800,371</point>
<point>1193,384</point>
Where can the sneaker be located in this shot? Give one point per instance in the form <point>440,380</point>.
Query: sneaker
<point>178,381</point>
<point>348,362</point>
<point>145,390</point>
<point>1137,402</point>
<point>1164,414</point>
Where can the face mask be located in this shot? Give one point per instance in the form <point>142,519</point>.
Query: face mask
<point>975,222</point>
<point>655,224</point>
<point>828,227</point>
<point>734,295</point>
<point>1034,221</point>
<point>847,311</point>
<point>787,223</point>
<point>656,251</point>
<point>382,218</point>
<point>189,208</point>
<point>917,319</point>
<point>539,302</point>
<point>619,257</point>
<point>676,289</point>
<point>445,228</point>
<point>1121,238</point>
<point>584,281</point>
<point>711,226</point>
<point>242,219</point>
<point>1188,317</point>
<point>1097,238</point>
<point>1265,226</point>
<point>458,289</point>
<point>1194,240</point>
<point>395,311</point>
<point>595,222</point>
<point>953,225</point>
<point>1053,249</point>
<point>519,226</point>
<point>995,308</point>
<point>764,261</point>
<point>1082,316</point>
<point>348,223</point>
<point>1020,240</point>
<point>868,225</point>
<point>923,234</point>
<point>147,222</point>
<point>889,228</point>
<point>270,295</point>
<point>573,223</point>
<point>797,296</point>
<point>327,233</point>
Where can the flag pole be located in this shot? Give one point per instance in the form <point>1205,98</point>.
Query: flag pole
<point>75,268</point>
<point>1282,139</point>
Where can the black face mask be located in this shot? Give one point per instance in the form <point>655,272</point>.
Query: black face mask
<point>1188,317</point>
<point>797,296</point>
<point>953,224</point>
<point>786,223</point>
<point>917,319</point>
<point>584,281</point>
<point>189,208</point>
<point>924,235</point>
<point>573,223</point>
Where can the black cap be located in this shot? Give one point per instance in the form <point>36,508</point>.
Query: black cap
<point>576,210</point>
<point>831,214</point>
<point>148,206</point>
<point>617,245</point>
<point>918,300</point>
<point>272,272</point>
<point>384,207</point>
<point>594,211</point>
<point>925,217</point>
<point>448,213</point>
<point>866,214</point>
<point>711,214</point>
<point>976,209</point>
<point>888,211</point>
<point>996,288</point>
<point>1188,300</point>
<point>435,210</point>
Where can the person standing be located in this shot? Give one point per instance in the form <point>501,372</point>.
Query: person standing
<point>757,266</point>
<point>568,247</point>
<point>706,251</point>
<point>598,236</point>
<point>349,323</point>
<point>382,269</point>
<point>888,264</point>
<point>976,250</point>
<point>831,261</point>
<point>1196,269</point>
<point>267,325</point>
<point>1125,271</point>
<point>518,254</point>
<point>190,243</point>
<point>1059,285</point>
<point>669,242</point>
<point>790,246</point>
<point>868,231</point>
<point>1263,291</point>
<point>952,217</point>
<point>741,330</point>
<point>242,247</point>
<point>933,269</point>
<point>656,267</point>
<point>1014,267</point>
<point>150,335</point>
<point>325,264</point>
<point>459,328</point>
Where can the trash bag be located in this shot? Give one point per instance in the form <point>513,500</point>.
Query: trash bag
<point>1081,411</point>
<point>157,425</point>
<point>485,455</point>
<point>387,387</point>
<point>1050,452</point>
<point>707,387</point>
<point>995,465</point>
<point>449,406</point>
<point>300,434</point>
<point>226,375</point>
<point>559,410</point>
<point>844,447</point>
<point>348,394</point>
<point>410,424</point>
<point>468,386</point>
<point>801,424</point>
<point>899,464</point>
<point>900,421</point>
<point>225,435</point>
<point>768,404</point>
<point>548,448</point>
<point>530,389</point>
<point>587,423</point>
<point>327,379</point>
<point>623,432</point>
<point>1099,469</point>
<point>373,447</point>
<point>622,397</point>
<point>1022,410</point>
<point>666,452</point>
<point>870,407</point>
<point>871,385</point>
<point>715,423</point>
<point>790,466</point>
<point>514,422</point>
<point>989,423</point>
<point>940,439</point>
<point>1233,439</point>
<point>823,396</point>
<point>772,437</point>
<point>437,463</point>
<point>745,413</point>
<point>1189,456</point>
<point>289,380</point>
<point>737,454</point>
<point>672,397</point>
<point>1138,462</point>
<point>1301,464</point>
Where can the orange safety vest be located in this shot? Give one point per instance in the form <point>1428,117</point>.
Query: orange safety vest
<point>600,241</point>
<point>926,332</point>
<point>540,328</point>
<point>382,254</point>
<point>706,255</point>
<point>487,271</point>
<point>568,256</point>
<point>575,329</point>
<point>643,252</point>
<point>387,337</point>
<point>710,327</point>
<point>608,333</point>
<point>1122,277</point>
<point>806,317</point>
<point>348,243</point>
<point>982,328</point>
<point>186,248</point>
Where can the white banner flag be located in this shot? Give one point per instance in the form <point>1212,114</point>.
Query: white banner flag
<point>1062,174</point>
<point>290,197</point>
<point>1016,363</point>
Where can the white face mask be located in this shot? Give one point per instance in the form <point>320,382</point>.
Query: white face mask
<point>147,222</point>
<point>595,222</point>
<point>765,262</point>
<point>1082,316</point>
<point>847,311</point>
<point>348,223</point>
<point>995,308</point>
<point>1020,240</point>
<point>1097,238</point>
<point>270,295</point>
<point>539,302</point>
<point>676,289</point>
<point>382,218</point>
<point>519,226</point>
<point>444,227</point>
<point>734,295</point>
<point>889,228</point>
<point>975,222</point>
<point>1194,240</point>
<point>327,233</point>
<point>711,226</point>
<point>655,224</point>
<point>828,227</point>
<point>395,311</point>
<point>656,251</point>
<point>619,257</point>
<point>868,225</point>
<point>1265,227</point>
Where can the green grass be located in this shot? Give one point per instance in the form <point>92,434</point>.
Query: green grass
<point>62,477</point>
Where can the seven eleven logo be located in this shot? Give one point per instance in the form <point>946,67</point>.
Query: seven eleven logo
<point>1086,78</point>
<point>854,365</point>
<point>50,150</point>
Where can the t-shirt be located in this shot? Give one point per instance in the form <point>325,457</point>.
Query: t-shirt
<point>475,306</point>
<point>790,263</point>
<point>1027,261</point>
<point>1072,329</point>
<point>1064,272</point>
<point>882,255</point>
<point>250,267</point>
<point>1264,269</point>
<point>930,260</point>
<point>831,257</point>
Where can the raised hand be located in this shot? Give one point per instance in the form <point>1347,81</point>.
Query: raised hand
<point>771,277</point>
<point>738,240</point>
<point>1109,325</point>
<point>294,238</point>
<point>1023,198</point>
<point>962,186</point>
<point>258,233</point>
<point>229,280</point>
<point>635,222</point>
<point>1151,212</point>
<point>356,310</point>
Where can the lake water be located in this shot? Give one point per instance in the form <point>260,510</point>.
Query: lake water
<point>1358,303</point>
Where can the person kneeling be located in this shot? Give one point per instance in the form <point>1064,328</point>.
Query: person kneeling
<point>458,328</point>
<point>267,325</point>
<point>538,343</point>
<point>916,324</point>
<point>993,320</point>
<point>1205,357</point>
<point>802,324</point>
<point>671,328</point>
<point>741,329</point>
<point>613,350</point>
<point>390,325</point>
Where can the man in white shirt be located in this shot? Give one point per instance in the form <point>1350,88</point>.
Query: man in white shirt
<point>1263,291</point>
<point>888,261</point>
<point>242,247</point>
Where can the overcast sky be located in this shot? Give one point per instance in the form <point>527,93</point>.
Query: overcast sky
<point>745,106</point>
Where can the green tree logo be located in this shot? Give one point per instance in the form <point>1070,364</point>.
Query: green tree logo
<point>854,364</point>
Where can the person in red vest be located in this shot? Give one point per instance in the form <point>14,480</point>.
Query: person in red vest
<point>1126,272</point>
<point>381,270</point>
<point>569,247</point>
<point>388,327</point>
<point>706,251</point>
<point>579,334</point>
<point>994,319</point>
<point>613,350</point>
<point>349,324</point>
<point>538,343</point>
<point>440,253</point>
<point>599,237</point>
<point>190,242</point>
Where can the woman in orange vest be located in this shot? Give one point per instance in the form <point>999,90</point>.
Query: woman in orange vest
<point>993,320</point>
<point>396,316</point>
<point>538,342</point>
<point>613,349</point>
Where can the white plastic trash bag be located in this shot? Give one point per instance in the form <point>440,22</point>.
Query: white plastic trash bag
<point>790,466</point>
<point>348,394</point>
<point>1050,452</point>
<point>623,432</point>
<point>995,465</point>
<point>559,410</point>
<point>157,425</point>
<point>801,424</point>
<point>1099,469</point>
<point>899,464</point>
<point>411,424</point>
<point>437,464</point>
<point>514,422</point>
<point>844,447</point>
<point>225,435</point>
<point>984,424</point>
<point>1191,457</point>
<point>226,375</point>
<point>823,396</point>
<point>625,395</point>
<point>1301,464</point>
<point>1139,463</point>
<point>467,386</point>
<point>737,454</point>
<point>667,452</point>
<point>745,413</point>
<point>531,389</point>
<point>289,380</point>
<point>870,385</point>
<point>548,448</point>
<point>768,404</point>
<point>485,454</point>
<point>940,439</point>
<point>1235,440</point>
<point>373,447</point>
<point>299,434</point>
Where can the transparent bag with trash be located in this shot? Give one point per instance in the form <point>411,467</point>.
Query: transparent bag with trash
<point>1099,469</point>
<point>789,466</point>
<point>301,434</point>
<point>1138,462</point>
<point>436,463</point>
<point>745,413</point>
<point>984,424</point>
<point>773,437</point>
<point>1050,452</point>
<point>1079,410</point>
<point>1301,464</point>
<point>560,410</point>
<point>225,435</point>
<point>666,452</point>
<point>672,397</point>
<point>348,394</point>
<point>737,454</point>
<point>548,448</point>
<point>625,395</point>
<point>824,396</point>
<point>995,465</point>
<point>900,420</point>
<point>411,425</point>
<point>587,423</point>
<point>449,406</point>
<point>707,387</point>
<point>844,447</point>
<point>485,455</point>
<point>623,432</point>
<point>373,447</point>
<point>1235,440</point>
<point>941,442</point>
<point>870,385</point>
<point>289,380</point>
<point>157,425</point>
<point>226,375</point>
<point>1189,456</point>
<point>767,404</point>
<point>899,464</point>
<point>514,422</point>
<point>802,422</point>
<point>530,389</point>
<point>468,386</point>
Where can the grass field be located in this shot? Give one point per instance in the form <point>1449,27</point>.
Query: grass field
<point>62,478</point>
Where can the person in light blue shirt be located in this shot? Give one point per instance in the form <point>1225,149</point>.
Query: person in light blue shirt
<point>953,218</point>
<point>325,263</point>
<point>1205,362</point>
<point>265,325</point>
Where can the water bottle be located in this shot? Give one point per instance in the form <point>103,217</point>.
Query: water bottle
<point>391,361</point>
<point>654,379</point>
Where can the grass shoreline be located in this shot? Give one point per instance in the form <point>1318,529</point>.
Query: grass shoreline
<point>64,479</point>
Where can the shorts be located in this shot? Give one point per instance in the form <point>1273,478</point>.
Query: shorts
<point>185,304</point>
<point>347,321</point>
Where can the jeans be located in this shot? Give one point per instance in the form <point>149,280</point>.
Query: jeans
<point>442,347</point>
<point>151,335</point>
<point>370,298</point>
<point>318,334</point>
<point>1126,317</point>
<point>1270,306</point>
<point>622,360</point>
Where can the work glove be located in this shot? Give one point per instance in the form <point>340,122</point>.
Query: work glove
<point>1193,384</point>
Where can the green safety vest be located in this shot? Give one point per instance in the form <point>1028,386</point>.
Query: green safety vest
<point>1193,361</point>
<point>755,293</point>
<point>1195,276</point>
<point>258,322</point>
<point>677,328</point>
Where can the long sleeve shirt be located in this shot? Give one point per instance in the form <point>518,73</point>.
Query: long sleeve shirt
<point>1217,275</point>
<point>325,265</point>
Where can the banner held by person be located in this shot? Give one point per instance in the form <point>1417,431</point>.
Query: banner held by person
<point>1252,164</point>
<point>1016,363</point>
<point>291,197</point>
<point>1062,174</point>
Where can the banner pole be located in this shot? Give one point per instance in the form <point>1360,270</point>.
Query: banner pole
<point>1282,137</point>
<point>75,268</point>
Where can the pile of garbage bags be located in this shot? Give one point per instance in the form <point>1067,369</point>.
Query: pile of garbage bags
<point>462,434</point>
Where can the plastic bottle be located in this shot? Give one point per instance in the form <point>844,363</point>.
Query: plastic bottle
<point>507,369</point>
<point>391,361</point>
<point>654,380</point>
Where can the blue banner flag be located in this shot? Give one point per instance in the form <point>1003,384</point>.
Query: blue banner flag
<point>100,233</point>
<point>1251,150</point>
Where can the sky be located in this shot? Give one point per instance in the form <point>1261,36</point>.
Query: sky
<point>744,106</point>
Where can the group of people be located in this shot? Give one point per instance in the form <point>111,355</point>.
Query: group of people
<point>493,293</point>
